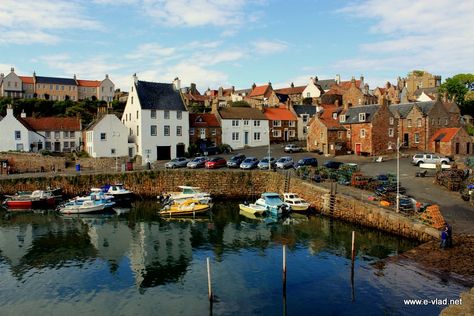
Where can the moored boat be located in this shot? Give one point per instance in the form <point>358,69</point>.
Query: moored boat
<point>296,203</point>
<point>35,200</point>
<point>187,192</point>
<point>273,203</point>
<point>188,207</point>
<point>90,206</point>
<point>254,209</point>
<point>118,191</point>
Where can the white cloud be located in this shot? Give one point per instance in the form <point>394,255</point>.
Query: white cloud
<point>267,47</point>
<point>38,21</point>
<point>433,35</point>
<point>151,50</point>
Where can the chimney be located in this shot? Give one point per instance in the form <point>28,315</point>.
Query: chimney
<point>270,84</point>
<point>193,88</point>
<point>382,100</point>
<point>214,106</point>
<point>177,84</point>
<point>135,78</point>
<point>292,85</point>
<point>9,110</point>
<point>23,114</point>
<point>361,81</point>
<point>220,92</point>
<point>1,76</point>
<point>12,69</point>
<point>338,79</point>
<point>336,103</point>
<point>233,89</point>
<point>353,82</point>
<point>254,86</point>
<point>316,79</point>
<point>106,76</point>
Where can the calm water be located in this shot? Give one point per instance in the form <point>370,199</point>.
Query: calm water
<point>138,264</point>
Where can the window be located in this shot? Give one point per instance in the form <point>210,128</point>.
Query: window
<point>439,121</point>
<point>246,122</point>
<point>179,131</point>
<point>131,99</point>
<point>62,88</point>
<point>179,115</point>
<point>362,133</point>
<point>191,131</point>
<point>277,133</point>
<point>390,132</point>
<point>65,134</point>
<point>256,123</point>
<point>334,115</point>
<point>305,130</point>
<point>361,117</point>
<point>66,145</point>
<point>277,123</point>
<point>342,118</point>
<point>418,122</point>
<point>235,136</point>
<point>291,123</point>
<point>305,118</point>
<point>291,133</point>
<point>446,121</point>
<point>167,114</point>
<point>153,130</point>
<point>308,94</point>
<point>137,115</point>
<point>47,145</point>
<point>256,136</point>
<point>19,147</point>
<point>138,130</point>
<point>48,135</point>
<point>72,144</point>
<point>71,134</point>
<point>213,132</point>
<point>432,121</point>
<point>348,134</point>
<point>112,151</point>
<point>235,123</point>
<point>203,133</point>
<point>340,134</point>
<point>167,130</point>
<point>417,138</point>
<point>17,135</point>
<point>103,136</point>
<point>391,120</point>
<point>409,122</point>
<point>321,136</point>
<point>153,114</point>
<point>56,134</point>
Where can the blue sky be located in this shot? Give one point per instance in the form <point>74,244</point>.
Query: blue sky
<point>222,43</point>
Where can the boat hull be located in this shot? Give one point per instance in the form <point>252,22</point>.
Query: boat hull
<point>253,209</point>
<point>299,207</point>
<point>178,210</point>
<point>28,204</point>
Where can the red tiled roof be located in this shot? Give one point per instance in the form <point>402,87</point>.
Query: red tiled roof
<point>345,85</point>
<point>203,120</point>
<point>258,91</point>
<point>327,119</point>
<point>335,89</point>
<point>26,79</point>
<point>279,114</point>
<point>291,90</point>
<point>53,123</point>
<point>195,97</point>
<point>227,92</point>
<point>445,134</point>
<point>88,83</point>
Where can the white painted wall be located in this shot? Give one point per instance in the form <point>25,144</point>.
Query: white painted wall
<point>9,125</point>
<point>116,137</point>
<point>228,129</point>
<point>130,119</point>
<point>311,88</point>
<point>11,85</point>
<point>106,90</point>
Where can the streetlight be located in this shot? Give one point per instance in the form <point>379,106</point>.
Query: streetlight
<point>398,174</point>
<point>269,150</point>
<point>116,134</point>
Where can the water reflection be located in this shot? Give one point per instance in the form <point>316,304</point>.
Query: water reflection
<point>140,252</point>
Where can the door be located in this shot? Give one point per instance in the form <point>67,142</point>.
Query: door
<point>180,149</point>
<point>437,147</point>
<point>358,149</point>
<point>286,135</point>
<point>57,146</point>
<point>406,138</point>
<point>163,152</point>
<point>457,148</point>
<point>246,138</point>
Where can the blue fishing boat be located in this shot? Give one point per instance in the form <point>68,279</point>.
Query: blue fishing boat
<point>273,203</point>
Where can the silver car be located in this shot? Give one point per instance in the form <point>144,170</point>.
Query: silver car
<point>179,162</point>
<point>197,162</point>
<point>263,164</point>
<point>249,163</point>
<point>428,158</point>
<point>284,163</point>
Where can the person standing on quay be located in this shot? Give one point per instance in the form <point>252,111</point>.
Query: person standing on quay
<point>444,236</point>
<point>449,237</point>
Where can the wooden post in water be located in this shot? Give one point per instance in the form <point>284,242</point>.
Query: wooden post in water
<point>353,246</point>
<point>284,270</point>
<point>209,285</point>
<point>352,266</point>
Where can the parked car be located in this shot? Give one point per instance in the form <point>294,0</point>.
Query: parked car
<point>197,162</point>
<point>428,158</point>
<point>179,162</point>
<point>215,162</point>
<point>263,164</point>
<point>284,163</point>
<point>249,163</point>
<point>292,148</point>
<point>235,161</point>
<point>331,164</point>
<point>310,161</point>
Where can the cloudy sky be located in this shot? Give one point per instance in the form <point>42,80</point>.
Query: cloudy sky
<point>236,42</point>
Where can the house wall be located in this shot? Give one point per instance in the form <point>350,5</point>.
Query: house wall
<point>355,137</point>
<point>317,136</point>
<point>106,90</point>
<point>449,148</point>
<point>382,142</point>
<point>56,91</point>
<point>213,134</point>
<point>29,90</point>
<point>284,126</point>
<point>228,129</point>
<point>8,125</point>
<point>86,93</point>
<point>116,138</point>
<point>61,137</point>
<point>11,86</point>
<point>132,120</point>
<point>311,91</point>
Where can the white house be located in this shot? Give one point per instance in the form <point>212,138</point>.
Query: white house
<point>242,127</point>
<point>157,120</point>
<point>11,85</point>
<point>313,89</point>
<point>16,134</point>
<point>106,137</point>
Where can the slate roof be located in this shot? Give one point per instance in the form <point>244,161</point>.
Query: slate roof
<point>203,120</point>
<point>159,96</point>
<point>53,80</point>
<point>352,114</point>
<point>444,134</point>
<point>53,123</point>
<point>279,114</point>
<point>97,120</point>
<point>432,90</point>
<point>326,83</point>
<point>405,108</point>
<point>229,113</point>
<point>304,109</point>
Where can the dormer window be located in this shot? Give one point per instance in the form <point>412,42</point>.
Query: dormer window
<point>361,117</point>
<point>199,119</point>
<point>334,115</point>
<point>342,118</point>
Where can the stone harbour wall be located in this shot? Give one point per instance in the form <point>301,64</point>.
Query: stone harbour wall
<point>31,162</point>
<point>228,184</point>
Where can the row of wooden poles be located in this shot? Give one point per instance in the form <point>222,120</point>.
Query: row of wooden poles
<point>209,282</point>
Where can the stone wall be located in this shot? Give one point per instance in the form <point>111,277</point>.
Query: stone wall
<point>224,184</point>
<point>32,162</point>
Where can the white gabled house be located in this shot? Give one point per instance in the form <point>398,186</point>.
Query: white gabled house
<point>17,135</point>
<point>106,137</point>
<point>157,120</point>
<point>313,89</point>
<point>243,127</point>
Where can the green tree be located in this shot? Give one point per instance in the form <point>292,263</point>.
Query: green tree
<point>455,90</point>
<point>240,104</point>
<point>466,79</point>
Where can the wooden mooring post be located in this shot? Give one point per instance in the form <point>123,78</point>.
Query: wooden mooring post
<point>209,284</point>
<point>353,246</point>
<point>284,270</point>
<point>352,266</point>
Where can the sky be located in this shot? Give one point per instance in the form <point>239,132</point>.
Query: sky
<point>236,42</point>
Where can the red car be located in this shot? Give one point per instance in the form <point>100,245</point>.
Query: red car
<point>216,162</point>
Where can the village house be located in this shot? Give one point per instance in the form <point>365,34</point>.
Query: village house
<point>451,141</point>
<point>106,136</point>
<point>292,93</point>
<point>418,79</point>
<point>283,124</point>
<point>192,97</point>
<point>11,85</point>
<point>313,90</point>
<point>239,95</point>
<point>326,135</point>
<point>262,96</point>
<point>220,96</point>
<point>204,130</point>
<point>418,121</point>
<point>304,113</point>
<point>94,89</point>
<point>243,127</point>
<point>354,95</point>
<point>17,135</point>
<point>157,120</point>
<point>389,92</point>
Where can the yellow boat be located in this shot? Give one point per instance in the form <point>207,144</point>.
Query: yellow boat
<point>188,207</point>
<point>296,203</point>
<point>254,209</point>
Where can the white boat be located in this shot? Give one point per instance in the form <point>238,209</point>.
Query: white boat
<point>273,203</point>
<point>187,192</point>
<point>254,209</point>
<point>295,202</point>
<point>117,190</point>
<point>88,206</point>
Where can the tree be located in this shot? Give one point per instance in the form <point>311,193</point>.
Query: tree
<point>466,79</point>
<point>240,104</point>
<point>454,89</point>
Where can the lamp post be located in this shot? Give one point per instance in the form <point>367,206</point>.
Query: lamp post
<point>115,134</point>
<point>398,174</point>
<point>269,150</point>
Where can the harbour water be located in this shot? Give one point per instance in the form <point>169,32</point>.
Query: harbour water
<point>140,264</point>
